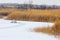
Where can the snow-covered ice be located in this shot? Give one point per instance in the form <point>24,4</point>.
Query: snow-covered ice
<point>21,30</point>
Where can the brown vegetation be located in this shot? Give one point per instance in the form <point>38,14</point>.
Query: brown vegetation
<point>31,15</point>
<point>55,30</point>
<point>6,12</point>
<point>48,30</point>
<point>36,15</point>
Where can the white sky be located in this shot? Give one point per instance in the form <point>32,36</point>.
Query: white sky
<point>49,2</point>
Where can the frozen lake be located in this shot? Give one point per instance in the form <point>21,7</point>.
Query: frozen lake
<point>21,30</point>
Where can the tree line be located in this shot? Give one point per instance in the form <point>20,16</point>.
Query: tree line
<point>29,6</point>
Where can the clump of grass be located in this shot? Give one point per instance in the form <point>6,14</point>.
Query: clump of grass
<point>54,30</point>
<point>57,27</point>
<point>48,30</point>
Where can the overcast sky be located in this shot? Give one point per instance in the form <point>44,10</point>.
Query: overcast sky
<point>49,2</point>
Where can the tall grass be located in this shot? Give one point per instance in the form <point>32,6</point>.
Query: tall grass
<point>54,30</point>
<point>57,27</point>
<point>36,15</point>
